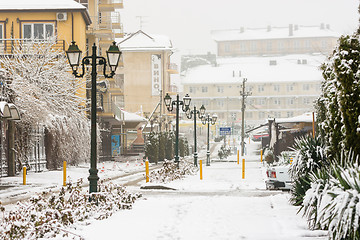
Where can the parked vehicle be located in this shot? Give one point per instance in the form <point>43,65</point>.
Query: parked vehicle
<point>278,178</point>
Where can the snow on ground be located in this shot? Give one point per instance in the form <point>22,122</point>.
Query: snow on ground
<point>12,188</point>
<point>221,206</point>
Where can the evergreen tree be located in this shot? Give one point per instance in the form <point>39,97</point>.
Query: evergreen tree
<point>341,97</point>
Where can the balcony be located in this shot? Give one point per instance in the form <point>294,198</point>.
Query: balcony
<point>110,5</point>
<point>103,26</point>
<point>172,68</point>
<point>12,46</point>
<point>111,112</point>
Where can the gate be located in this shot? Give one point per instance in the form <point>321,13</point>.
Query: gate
<point>36,155</point>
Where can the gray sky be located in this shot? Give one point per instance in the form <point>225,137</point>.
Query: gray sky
<point>188,22</point>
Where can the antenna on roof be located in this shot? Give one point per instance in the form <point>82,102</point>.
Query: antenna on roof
<point>141,21</point>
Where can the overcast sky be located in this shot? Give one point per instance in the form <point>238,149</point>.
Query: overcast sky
<point>188,22</point>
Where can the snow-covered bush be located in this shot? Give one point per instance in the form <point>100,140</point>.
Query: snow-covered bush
<point>269,156</point>
<point>310,157</point>
<point>49,214</point>
<point>170,171</point>
<point>224,152</point>
<point>333,201</point>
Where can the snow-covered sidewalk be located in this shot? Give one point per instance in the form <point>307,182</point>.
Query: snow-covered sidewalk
<point>221,206</point>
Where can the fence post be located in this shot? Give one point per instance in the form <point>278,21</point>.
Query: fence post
<point>201,174</point>
<point>238,157</point>
<point>261,155</point>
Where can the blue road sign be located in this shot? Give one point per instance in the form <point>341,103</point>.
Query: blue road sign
<point>225,131</point>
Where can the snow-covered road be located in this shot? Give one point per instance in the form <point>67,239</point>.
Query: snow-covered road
<point>221,206</point>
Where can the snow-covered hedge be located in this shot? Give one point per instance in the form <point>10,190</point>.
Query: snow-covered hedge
<point>49,214</point>
<point>333,201</point>
<point>170,172</point>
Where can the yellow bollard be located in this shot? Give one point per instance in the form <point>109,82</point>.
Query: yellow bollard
<point>24,175</point>
<point>243,168</point>
<point>238,156</point>
<point>291,160</point>
<point>64,173</point>
<point>201,175</point>
<point>147,170</point>
<point>261,155</point>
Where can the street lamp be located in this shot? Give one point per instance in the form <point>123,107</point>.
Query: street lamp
<point>189,114</point>
<point>170,106</point>
<point>74,56</point>
<point>208,120</point>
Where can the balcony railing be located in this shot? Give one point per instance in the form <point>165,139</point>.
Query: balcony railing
<point>11,46</point>
<point>110,22</point>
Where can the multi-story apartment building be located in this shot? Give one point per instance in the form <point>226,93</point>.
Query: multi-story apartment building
<point>281,66</point>
<point>146,72</point>
<point>282,86</point>
<point>23,21</point>
<point>294,39</point>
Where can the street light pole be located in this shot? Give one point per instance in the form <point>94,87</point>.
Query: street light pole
<point>189,115</point>
<point>244,95</point>
<point>113,56</point>
<point>170,106</point>
<point>208,120</point>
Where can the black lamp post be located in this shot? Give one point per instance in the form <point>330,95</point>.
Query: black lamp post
<point>208,120</point>
<point>189,114</point>
<point>170,106</point>
<point>74,56</point>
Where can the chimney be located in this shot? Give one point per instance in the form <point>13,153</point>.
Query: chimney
<point>328,26</point>
<point>242,29</point>
<point>322,26</point>
<point>269,28</point>
<point>296,27</point>
<point>291,31</point>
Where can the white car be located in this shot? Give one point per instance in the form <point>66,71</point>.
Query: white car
<point>278,178</point>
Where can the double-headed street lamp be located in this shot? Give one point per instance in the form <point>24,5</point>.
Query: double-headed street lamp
<point>189,114</point>
<point>170,106</point>
<point>208,120</point>
<point>74,56</point>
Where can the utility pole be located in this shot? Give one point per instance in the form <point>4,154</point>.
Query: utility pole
<point>244,96</point>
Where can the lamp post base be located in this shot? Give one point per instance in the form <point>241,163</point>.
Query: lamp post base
<point>195,159</point>
<point>208,158</point>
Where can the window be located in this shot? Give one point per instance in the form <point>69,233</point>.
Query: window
<point>260,88</point>
<point>261,115</point>
<point>204,89</point>
<point>296,44</point>
<point>253,46</point>
<point>269,45</point>
<point>306,87</point>
<point>248,114</point>
<point>281,45</point>
<point>277,101</point>
<point>38,30</point>
<point>227,47</point>
<point>289,87</point>
<point>192,89</point>
<point>290,114</point>
<point>261,101</point>
<point>277,88</point>
<point>290,101</point>
<point>306,100</point>
<point>220,103</point>
<point>220,89</point>
<point>277,114</point>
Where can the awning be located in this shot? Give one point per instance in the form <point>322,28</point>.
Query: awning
<point>9,111</point>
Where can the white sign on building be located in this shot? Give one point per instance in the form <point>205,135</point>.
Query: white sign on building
<point>156,74</point>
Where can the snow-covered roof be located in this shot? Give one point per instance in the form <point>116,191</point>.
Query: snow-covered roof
<point>257,69</point>
<point>306,117</point>
<point>272,33</point>
<point>133,117</point>
<point>44,6</point>
<point>141,41</point>
<point>19,5</point>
